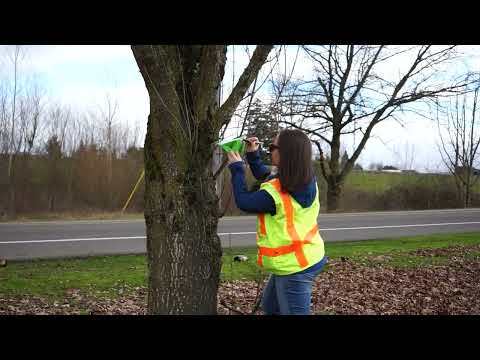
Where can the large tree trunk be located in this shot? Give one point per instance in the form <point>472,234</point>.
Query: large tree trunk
<point>459,192</point>
<point>334,192</point>
<point>334,184</point>
<point>181,214</point>
<point>181,206</point>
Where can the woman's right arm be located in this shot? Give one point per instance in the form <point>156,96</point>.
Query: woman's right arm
<point>252,202</point>
<point>259,170</point>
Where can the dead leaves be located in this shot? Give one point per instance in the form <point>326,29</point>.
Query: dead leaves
<point>76,303</point>
<point>451,288</point>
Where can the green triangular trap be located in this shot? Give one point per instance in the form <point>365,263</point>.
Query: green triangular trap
<point>233,145</point>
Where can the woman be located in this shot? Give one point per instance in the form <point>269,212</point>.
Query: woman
<point>289,244</point>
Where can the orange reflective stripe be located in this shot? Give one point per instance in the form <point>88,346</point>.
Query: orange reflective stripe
<point>261,219</point>
<point>287,205</point>
<point>289,212</point>
<point>302,260</point>
<point>311,234</point>
<point>260,260</point>
<point>276,184</point>
<point>296,242</point>
<point>296,247</point>
<point>281,250</point>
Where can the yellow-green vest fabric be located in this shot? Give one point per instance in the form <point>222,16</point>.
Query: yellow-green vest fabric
<point>282,236</point>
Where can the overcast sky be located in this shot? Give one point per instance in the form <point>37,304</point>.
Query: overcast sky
<point>82,76</point>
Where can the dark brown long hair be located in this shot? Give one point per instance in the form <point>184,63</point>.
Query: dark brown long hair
<point>295,169</point>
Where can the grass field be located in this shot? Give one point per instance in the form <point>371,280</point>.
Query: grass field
<point>378,181</point>
<point>381,181</point>
<point>112,276</point>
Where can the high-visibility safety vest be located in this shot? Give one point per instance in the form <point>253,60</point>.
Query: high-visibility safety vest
<point>288,241</point>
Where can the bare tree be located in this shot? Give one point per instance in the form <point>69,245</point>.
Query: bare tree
<point>4,146</point>
<point>128,137</point>
<point>30,123</point>
<point>459,130</point>
<point>21,107</point>
<point>70,145</point>
<point>409,157</point>
<point>349,95</point>
<point>32,106</point>
<point>15,138</point>
<point>181,210</point>
<point>405,158</point>
<point>108,120</point>
<point>4,120</point>
<point>58,124</point>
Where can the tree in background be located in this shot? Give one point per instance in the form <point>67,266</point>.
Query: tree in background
<point>459,130</point>
<point>358,167</point>
<point>21,105</point>
<point>350,93</point>
<point>260,122</point>
<point>14,136</point>
<point>53,149</point>
<point>344,159</point>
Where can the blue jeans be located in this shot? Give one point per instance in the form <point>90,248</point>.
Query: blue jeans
<point>291,294</point>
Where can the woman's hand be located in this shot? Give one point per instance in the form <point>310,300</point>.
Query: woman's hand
<point>252,144</point>
<point>233,156</point>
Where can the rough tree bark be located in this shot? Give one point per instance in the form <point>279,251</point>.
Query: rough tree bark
<point>181,210</point>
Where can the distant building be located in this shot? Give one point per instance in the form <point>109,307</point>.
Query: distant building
<point>391,171</point>
<point>389,167</point>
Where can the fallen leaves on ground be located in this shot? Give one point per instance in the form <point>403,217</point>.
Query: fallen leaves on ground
<point>450,288</point>
<point>346,287</point>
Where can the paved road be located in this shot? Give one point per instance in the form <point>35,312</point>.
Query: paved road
<point>30,240</point>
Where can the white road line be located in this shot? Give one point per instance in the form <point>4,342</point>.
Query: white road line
<point>400,226</point>
<point>373,227</point>
<point>240,233</point>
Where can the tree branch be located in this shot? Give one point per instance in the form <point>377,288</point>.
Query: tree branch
<point>311,132</point>
<point>225,112</point>
<point>322,160</point>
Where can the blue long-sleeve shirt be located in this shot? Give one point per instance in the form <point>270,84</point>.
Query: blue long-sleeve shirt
<point>259,170</point>
<point>261,201</point>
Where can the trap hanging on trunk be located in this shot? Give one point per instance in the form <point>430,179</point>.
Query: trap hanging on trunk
<point>237,145</point>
